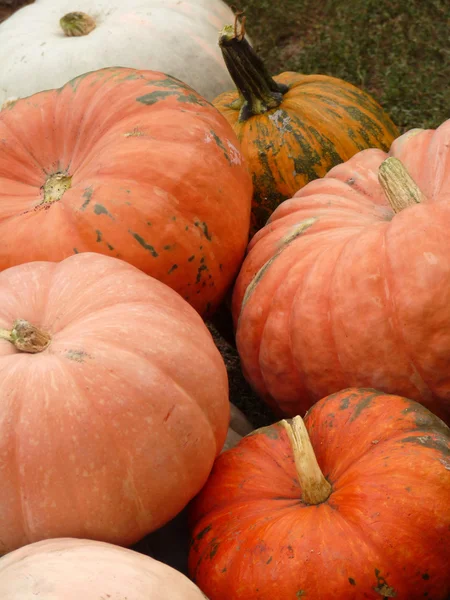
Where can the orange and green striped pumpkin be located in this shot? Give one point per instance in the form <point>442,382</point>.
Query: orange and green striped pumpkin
<point>294,128</point>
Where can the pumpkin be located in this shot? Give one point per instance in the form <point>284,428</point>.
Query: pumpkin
<point>349,282</point>
<point>114,402</point>
<point>351,503</point>
<point>46,44</point>
<point>170,543</point>
<point>131,164</point>
<point>293,128</point>
<point>72,569</point>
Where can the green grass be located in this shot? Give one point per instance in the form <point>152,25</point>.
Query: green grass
<point>397,50</point>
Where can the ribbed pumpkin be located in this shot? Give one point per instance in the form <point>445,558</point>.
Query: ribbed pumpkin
<point>114,402</point>
<point>358,509</point>
<point>349,282</point>
<point>131,164</point>
<point>71,569</point>
<point>293,128</point>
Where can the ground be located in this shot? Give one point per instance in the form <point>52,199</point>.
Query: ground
<point>397,50</point>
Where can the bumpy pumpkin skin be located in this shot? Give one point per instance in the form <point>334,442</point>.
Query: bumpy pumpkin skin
<point>114,427</point>
<point>71,569</point>
<point>382,533</point>
<point>336,291</point>
<point>153,176</point>
<point>322,121</point>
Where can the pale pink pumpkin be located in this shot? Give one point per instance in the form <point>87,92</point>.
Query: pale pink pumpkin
<point>112,428</point>
<point>70,569</point>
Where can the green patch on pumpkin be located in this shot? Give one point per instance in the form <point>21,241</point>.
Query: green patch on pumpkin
<point>140,240</point>
<point>87,195</point>
<point>99,209</point>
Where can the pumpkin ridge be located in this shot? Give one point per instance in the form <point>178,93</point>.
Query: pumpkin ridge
<point>331,296</point>
<point>300,367</point>
<point>390,558</point>
<point>196,406</point>
<point>126,460</point>
<point>106,432</point>
<point>81,319</point>
<point>393,439</point>
<point>21,478</point>
<point>13,133</point>
<point>342,98</point>
<point>338,150</point>
<point>427,392</point>
<point>287,241</point>
<point>315,149</point>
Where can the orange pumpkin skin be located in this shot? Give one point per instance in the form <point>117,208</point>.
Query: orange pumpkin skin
<point>383,531</point>
<point>112,429</point>
<point>152,174</point>
<point>319,122</point>
<point>336,291</point>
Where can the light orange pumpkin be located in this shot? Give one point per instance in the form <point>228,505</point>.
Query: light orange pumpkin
<point>131,164</point>
<point>114,402</point>
<point>71,569</point>
<point>349,282</point>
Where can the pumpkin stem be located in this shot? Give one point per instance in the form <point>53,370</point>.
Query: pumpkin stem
<point>76,24</point>
<point>258,92</point>
<point>315,488</point>
<point>400,188</point>
<point>26,337</point>
<point>55,187</point>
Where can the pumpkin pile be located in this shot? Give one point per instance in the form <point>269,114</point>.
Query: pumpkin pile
<point>131,211</point>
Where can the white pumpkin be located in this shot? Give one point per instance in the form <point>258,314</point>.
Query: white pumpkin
<point>178,37</point>
<point>72,569</point>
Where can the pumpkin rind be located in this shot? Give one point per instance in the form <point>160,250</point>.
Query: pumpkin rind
<point>336,290</point>
<point>320,122</point>
<point>381,533</point>
<point>112,428</point>
<point>72,569</point>
<point>131,164</point>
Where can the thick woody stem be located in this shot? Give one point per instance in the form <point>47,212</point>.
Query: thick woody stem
<point>258,91</point>
<point>315,488</point>
<point>399,187</point>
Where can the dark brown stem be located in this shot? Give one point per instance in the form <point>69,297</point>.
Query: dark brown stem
<point>315,488</point>
<point>258,91</point>
<point>26,337</point>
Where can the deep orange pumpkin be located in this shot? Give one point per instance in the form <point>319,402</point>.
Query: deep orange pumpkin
<point>293,128</point>
<point>268,525</point>
<point>341,290</point>
<point>131,164</point>
<point>112,425</point>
